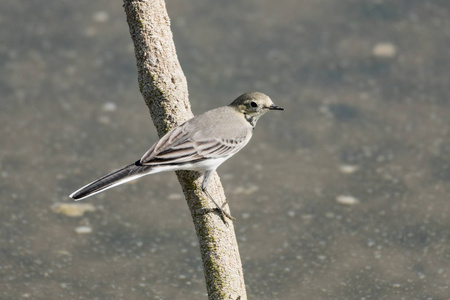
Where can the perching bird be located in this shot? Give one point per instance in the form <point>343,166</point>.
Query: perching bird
<point>201,144</point>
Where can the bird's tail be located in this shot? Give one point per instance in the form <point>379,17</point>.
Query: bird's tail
<point>113,179</point>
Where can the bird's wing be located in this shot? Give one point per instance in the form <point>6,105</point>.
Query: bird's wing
<point>181,145</point>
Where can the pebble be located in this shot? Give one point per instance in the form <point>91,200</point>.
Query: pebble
<point>101,16</point>
<point>83,229</point>
<point>72,209</point>
<point>384,50</point>
<point>346,200</point>
<point>348,169</point>
<point>109,106</point>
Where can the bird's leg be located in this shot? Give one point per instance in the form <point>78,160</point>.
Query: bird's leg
<point>220,208</point>
<point>206,179</point>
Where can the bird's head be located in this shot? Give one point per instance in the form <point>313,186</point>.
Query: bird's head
<point>253,105</point>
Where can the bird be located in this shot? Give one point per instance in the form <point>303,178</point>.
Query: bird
<point>200,144</point>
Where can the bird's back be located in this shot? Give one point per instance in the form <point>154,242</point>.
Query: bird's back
<point>224,122</point>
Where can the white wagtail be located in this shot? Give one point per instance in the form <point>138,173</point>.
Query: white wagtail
<point>201,144</point>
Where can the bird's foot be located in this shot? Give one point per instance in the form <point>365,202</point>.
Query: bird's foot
<point>220,210</point>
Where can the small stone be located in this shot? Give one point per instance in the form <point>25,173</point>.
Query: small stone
<point>101,16</point>
<point>72,209</point>
<point>346,200</point>
<point>384,50</point>
<point>109,106</point>
<point>83,229</point>
<point>291,213</point>
<point>348,169</point>
<point>245,215</point>
<point>64,285</point>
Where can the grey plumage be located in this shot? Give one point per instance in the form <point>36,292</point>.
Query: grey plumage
<point>201,144</point>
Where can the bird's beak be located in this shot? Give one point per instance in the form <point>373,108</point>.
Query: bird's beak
<point>275,107</point>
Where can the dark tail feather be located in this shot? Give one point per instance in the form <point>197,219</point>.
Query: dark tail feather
<point>113,179</point>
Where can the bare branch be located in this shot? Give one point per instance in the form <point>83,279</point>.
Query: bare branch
<point>164,88</point>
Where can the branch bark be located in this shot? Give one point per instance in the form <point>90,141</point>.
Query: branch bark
<point>164,88</point>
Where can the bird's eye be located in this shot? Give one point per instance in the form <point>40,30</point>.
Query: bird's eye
<point>253,104</point>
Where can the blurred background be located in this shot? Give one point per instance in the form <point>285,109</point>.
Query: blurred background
<point>344,195</point>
